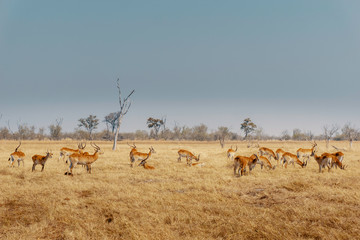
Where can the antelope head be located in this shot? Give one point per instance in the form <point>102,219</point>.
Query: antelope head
<point>96,148</point>
<point>133,146</point>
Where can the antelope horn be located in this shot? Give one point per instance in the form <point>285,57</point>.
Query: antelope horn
<point>17,147</point>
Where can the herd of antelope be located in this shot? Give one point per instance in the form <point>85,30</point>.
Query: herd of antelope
<point>241,163</point>
<point>283,158</point>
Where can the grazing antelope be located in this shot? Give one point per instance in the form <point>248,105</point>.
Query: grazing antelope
<point>231,153</point>
<point>66,152</point>
<point>267,151</point>
<point>16,155</point>
<point>279,153</point>
<point>139,156</point>
<point>188,155</point>
<point>339,156</point>
<point>263,161</point>
<point>333,160</point>
<point>240,163</point>
<point>84,159</point>
<point>289,158</point>
<point>324,161</point>
<point>306,153</point>
<point>39,159</point>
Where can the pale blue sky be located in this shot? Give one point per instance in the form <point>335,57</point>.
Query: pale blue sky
<point>286,64</point>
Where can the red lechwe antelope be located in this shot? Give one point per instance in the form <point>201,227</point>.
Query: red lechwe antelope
<point>16,155</point>
<point>66,152</point>
<point>241,162</point>
<point>39,159</point>
<point>145,165</point>
<point>306,153</point>
<point>289,158</point>
<point>279,153</point>
<point>339,156</point>
<point>267,151</point>
<point>139,156</point>
<point>333,160</point>
<point>323,161</point>
<point>231,153</point>
<point>188,155</point>
<point>84,159</point>
<point>264,161</point>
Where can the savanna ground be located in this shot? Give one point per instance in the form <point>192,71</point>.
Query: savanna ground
<point>175,201</point>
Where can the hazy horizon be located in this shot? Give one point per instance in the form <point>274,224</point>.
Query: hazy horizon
<point>284,64</point>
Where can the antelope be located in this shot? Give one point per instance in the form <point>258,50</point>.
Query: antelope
<point>339,156</point>
<point>323,161</point>
<point>188,155</point>
<point>39,159</point>
<point>231,153</point>
<point>66,152</point>
<point>333,160</point>
<point>267,151</point>
<point>145,165</point>
<point>138,156</point>
<point>240,163</point>
<point>279,153</point>
<point>196,164</point>
<point>84,159</point>
<point>306,153</point>
<point>289,158</point>
<point>264,161</point>
<point>16,155</point>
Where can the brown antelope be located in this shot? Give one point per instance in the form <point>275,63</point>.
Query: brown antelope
<point>188,155</point>
<point>231,153</point>
<point>279,153</point>
<point>306,153</point>
<point>323,161</point>
<point>263,161</point>
<point>66,152</point>
<point>333,160</point>
<point>289,158</point>
<point>39,159</point>
<point>139,156</point>
<point>16,155</point>
<point>267,151</point>
<point>339,156</point>
<point>240,163</point>
<point>84,159</point>
<point>145,165</point>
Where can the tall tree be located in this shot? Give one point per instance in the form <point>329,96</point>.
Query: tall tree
<point>90,124</point>
<point>329,132</point>
<point>155,124</point>
<point>248,127</point>
<point>125,104</point>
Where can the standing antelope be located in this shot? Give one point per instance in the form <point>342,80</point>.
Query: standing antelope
<point>240,163</point>
<point>39,159</point>
<point>267,151</point>
<point>66,152</point>
<point>231,153</point>
<point>306,153</point>
<point>263,161</point>
<point>289,158</point>
<point>16,155</point>
<point>279,153</point>
<point>333,160</point>
<point>323,161</point>
<point>188,155</point>
<point>84,159</point>
<point>139,156</point>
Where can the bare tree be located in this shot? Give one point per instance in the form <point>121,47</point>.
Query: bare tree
<point>329,132</point>
<point>124,108</point>
<point>55,129</point>
<point>350,133</point>
<point>90,124</point>
<point>221,134</point>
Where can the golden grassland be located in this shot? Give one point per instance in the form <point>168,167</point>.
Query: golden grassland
<point>175,201</point>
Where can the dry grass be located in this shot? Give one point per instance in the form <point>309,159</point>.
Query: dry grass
<point>175,201</point>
